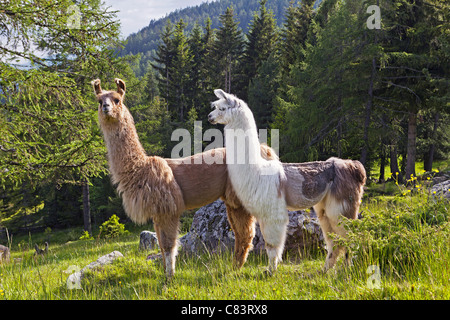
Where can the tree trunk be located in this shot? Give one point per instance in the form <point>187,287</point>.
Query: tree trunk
<point>429,156</point>
<point>365,148</point>
<point>382,178</point>
<point>86,208</point>
<point>394,162</point>
<point>411,146</point>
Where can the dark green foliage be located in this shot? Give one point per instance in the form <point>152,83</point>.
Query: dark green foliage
<point>356,92</point>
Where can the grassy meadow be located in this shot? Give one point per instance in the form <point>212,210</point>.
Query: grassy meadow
<point>400,248</point>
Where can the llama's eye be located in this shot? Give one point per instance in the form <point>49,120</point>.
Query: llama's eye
<point>116,101</point>
<point>222,109</point>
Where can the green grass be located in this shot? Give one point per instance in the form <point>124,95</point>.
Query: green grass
<point>405,234</point>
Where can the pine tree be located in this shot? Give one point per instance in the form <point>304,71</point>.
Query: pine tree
<point>294,32</point>
<point>47,119</point>
<point>261,40</point>
<point>322,103</point>
<point>181,69</point>
<point>263,90</point>
<point>151,86</point>
<point>174,64</point>
<point>163,59</point>
<point>197,48</point>
<point>228,48</point>
<point>208,74</point>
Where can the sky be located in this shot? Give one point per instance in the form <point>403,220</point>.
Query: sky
<point>136,14</point>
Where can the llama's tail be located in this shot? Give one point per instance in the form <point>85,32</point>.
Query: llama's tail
<point>348,185</point>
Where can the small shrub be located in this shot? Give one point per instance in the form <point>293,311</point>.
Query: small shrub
<point>86,236</point>
<point>112,228</point>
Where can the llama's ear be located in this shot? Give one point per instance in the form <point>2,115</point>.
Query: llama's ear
<point>120,86</point>
<point>220,94</point>
<point>97,88</point>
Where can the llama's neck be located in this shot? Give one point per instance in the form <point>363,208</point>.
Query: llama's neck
<point>125,152</point>
<point>244,125</point>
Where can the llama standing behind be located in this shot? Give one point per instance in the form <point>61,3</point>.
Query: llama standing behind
<point>258,182</point>
<point>334,188</point>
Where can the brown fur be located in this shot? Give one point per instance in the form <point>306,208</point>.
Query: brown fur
<point>161,189</point>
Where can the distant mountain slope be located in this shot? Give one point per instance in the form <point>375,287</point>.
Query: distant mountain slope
<point>146,40</point>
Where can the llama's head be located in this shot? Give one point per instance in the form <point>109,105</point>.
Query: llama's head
<point>225,107</point>
<point>110,102</point>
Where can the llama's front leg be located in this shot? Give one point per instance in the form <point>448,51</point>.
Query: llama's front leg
<point>243,225</point>
<point>167,238</point>
<point>274,233</point>
<point>158,236</point>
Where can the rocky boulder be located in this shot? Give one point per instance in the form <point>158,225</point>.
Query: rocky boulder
<point>442,189</point>
<point>74,280</point>
<point>210,230</point>
<point>148,240</point>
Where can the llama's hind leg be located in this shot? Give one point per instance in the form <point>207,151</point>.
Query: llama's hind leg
<point>328,215</point>
<point>167,232</point>
<point>326,229</point>
<point>273,230</point>
<point>243,225</point>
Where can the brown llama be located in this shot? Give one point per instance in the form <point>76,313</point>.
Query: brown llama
<point>160,189</point>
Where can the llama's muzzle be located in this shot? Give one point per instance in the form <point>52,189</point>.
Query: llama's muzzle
<point>106,108</point>
<point>211,118</point>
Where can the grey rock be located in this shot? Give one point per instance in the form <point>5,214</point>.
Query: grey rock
<point>148,240</point>
<point>74,280</point>
<point>211,230</point>
<point>442,189</point>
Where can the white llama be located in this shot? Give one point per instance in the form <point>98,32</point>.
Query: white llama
<point>258,183</point>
